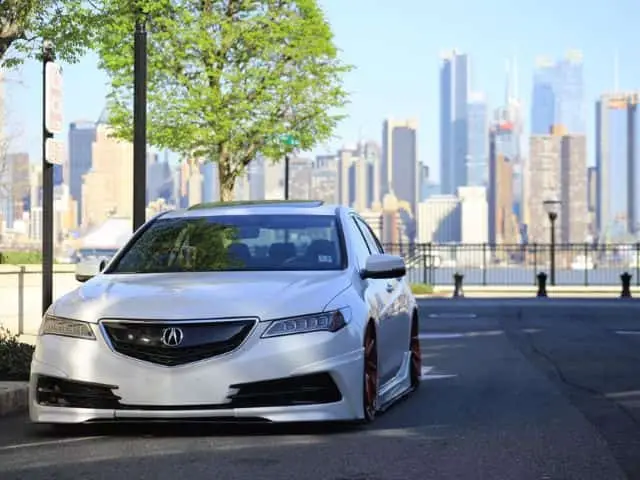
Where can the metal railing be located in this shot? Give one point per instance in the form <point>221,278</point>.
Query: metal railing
<point>502,264</point>
<point>431,263</point>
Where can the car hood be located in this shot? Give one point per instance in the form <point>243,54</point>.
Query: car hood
<point>175,296</point>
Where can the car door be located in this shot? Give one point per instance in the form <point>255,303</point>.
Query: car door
<point>399,320</point>
<point>376,293</point>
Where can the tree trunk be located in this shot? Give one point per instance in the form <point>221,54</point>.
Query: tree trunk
<point>226,180</point>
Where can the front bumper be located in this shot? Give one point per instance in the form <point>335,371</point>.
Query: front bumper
<point>221,387</point>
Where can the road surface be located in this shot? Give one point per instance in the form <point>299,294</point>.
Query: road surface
<point>531,389</point>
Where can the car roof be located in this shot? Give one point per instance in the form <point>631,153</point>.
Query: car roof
<point>261,207</point>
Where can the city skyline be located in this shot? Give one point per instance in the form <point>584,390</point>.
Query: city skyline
<point>405,84</point>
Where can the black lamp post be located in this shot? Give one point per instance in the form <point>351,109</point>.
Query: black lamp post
<point>552,207</point>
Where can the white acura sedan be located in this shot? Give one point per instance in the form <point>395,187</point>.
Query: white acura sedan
<point>267,311</point>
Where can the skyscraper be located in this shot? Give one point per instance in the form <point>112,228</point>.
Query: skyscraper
<point>503,224</point>
<point>399,169</point>
<point>559,174</point>
<point>558,95</point>
<point>617,182</point>
<point>82,134</point>
<point>454,88</point>
<point>477,141</point>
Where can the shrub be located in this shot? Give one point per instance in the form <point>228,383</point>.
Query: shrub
<point>15,357</point>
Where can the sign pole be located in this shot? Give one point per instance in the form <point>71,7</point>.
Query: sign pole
<point>47,187</point>
<point>286,177</point>
<point>290,141</point>
<point>140,124</point>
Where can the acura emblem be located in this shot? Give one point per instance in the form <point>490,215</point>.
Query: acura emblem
<point>172,337</point>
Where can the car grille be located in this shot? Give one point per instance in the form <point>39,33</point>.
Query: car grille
<point>176,343</point>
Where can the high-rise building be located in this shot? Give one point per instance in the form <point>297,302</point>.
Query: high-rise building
<point>14,187</point>
<point>618,167</point>
<point>399,167</point>
<point>108,187</point>
<point>503,223</point>
<point>574,209</point>
<point>560,166</point>
<point>372,154</point>
<point>477,141</point>
<point>324,178</point>
<point>82,134</point>
<point>558,95</point>
<point>439,219</point>
<point>454,89</point>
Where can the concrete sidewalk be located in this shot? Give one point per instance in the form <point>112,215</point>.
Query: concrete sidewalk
<point>511,291</point>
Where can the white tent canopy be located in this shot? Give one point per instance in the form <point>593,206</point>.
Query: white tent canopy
<point>111,234</point>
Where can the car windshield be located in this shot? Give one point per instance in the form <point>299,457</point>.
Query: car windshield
<point>235,243</point>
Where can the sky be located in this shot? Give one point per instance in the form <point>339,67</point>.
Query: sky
<point>395,46</point>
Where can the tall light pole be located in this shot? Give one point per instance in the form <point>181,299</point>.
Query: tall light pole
<point>552,207</point>
<point>140,123</point>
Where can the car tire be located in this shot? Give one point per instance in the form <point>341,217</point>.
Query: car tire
<point>370,375</point>
<point>416,353</point>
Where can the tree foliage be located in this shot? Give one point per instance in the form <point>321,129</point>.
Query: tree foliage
<point>227,78</point>
<point>24,24</point>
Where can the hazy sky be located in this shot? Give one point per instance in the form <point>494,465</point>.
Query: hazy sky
<point>395,46</point>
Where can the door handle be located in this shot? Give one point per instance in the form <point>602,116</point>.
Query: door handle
<point>389,287</point>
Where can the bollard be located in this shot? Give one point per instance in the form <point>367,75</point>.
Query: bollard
<point>457,285</point>
<point>542,284</point>
<point>626,285</point>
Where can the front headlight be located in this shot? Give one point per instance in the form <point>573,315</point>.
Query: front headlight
<point>319,322</point>
<point>65,327</point>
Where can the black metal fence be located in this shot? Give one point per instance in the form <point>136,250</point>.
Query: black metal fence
<point>502,264</point>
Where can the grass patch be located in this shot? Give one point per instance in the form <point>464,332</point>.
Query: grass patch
<point>15,357</point>
<point>20,257</point>
<point>421,288</point>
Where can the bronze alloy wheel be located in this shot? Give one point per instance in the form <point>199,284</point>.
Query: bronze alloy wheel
<point>370,390</point>
<point>416,354</point>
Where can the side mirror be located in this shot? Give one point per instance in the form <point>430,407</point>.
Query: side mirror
<point>384,267</point>
<point>88,269</point>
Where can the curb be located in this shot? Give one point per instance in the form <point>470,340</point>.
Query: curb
<point>14,397</point>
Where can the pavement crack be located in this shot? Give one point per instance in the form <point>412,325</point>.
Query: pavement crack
<point>522,338</point>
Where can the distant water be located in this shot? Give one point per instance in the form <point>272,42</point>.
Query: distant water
<point>520,276</point>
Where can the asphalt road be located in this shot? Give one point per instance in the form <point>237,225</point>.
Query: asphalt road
<point>539,389</point>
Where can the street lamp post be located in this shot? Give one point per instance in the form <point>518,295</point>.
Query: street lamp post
<point>552,207</point>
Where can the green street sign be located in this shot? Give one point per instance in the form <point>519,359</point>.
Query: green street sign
<point>289,140</point>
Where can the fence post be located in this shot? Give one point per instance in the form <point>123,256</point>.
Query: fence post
<point>638,264</point>
<point>484,264</point>
<point>424,268</point>
<point>586,264</point>
<point>21,300</point>
<point>535,261</point>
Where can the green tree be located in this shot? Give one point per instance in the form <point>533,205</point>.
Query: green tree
<point>227,78</point>
<point>24,24</point>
